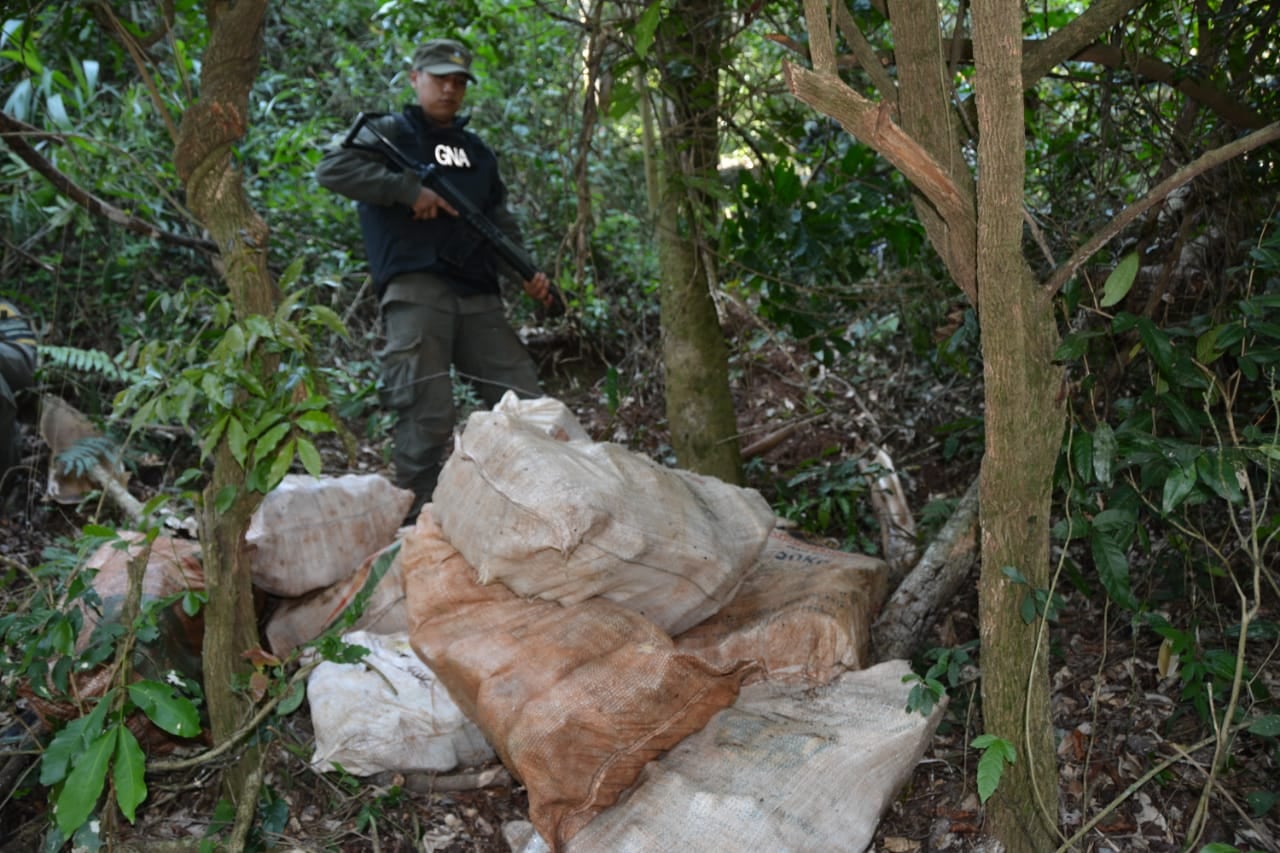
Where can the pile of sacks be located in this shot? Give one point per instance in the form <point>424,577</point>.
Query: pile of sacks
<point>639,646</point>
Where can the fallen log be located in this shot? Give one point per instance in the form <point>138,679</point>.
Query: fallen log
<point>914,606</point>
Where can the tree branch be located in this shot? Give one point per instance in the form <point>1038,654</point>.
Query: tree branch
<point>15,133</point>
<point>1194,169</point>
<point>870,122</point>
<point>1039,56</point>
<point>1231,110</point>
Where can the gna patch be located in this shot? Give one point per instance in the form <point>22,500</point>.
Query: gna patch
<point>451,155</point>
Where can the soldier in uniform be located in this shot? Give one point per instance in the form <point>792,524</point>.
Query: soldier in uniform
<point>17,371</point>
<point>436,279</point>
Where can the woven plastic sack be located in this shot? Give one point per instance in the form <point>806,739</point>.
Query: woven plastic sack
<point>572,520</point>
<point>311,532</point>
<point>575,699</point>
<point>787,769</point>
<point>547,414</point>
<point>388,712</point>
<point>804,613</point>
<point>377,585</point>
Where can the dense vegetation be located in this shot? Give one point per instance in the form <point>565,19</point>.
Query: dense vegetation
<point>1164,504</point>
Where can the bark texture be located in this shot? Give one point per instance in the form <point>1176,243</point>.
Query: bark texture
<point>1024,423</point>
<point>695,355</point>
<point>216,195</point>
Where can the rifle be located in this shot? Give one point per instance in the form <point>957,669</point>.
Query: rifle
<point>431,176</point>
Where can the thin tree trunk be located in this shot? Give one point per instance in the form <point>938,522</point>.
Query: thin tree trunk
<point>215,193</point>
<point>1024,425</point>
<point>700,410</point>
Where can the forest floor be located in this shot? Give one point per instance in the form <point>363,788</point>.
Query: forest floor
<point>1115,717</point>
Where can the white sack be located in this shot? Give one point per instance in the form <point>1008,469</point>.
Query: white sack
<point>785,770</point>
<point>311,532</point>
<point>388,713</point>
<point>547,414</point>
<point>571,520</point>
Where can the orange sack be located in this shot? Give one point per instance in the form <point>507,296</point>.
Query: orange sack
<point>574,699</point>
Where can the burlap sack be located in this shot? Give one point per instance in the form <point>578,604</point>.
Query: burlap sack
<point>311,532</point>
<point>787,768</point>
<point>571,520</point>
<point>804,613</point>
<point>574,699</point>
<point>300,620</point>
<point>547,414</point>
<point>388,713</point>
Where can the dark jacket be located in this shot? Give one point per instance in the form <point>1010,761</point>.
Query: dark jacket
<point>17,353</point>
<point>395,242</point>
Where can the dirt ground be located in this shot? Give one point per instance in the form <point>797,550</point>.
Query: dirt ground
<point>1114,716</point>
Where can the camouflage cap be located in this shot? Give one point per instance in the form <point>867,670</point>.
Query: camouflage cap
<point>443,56</point>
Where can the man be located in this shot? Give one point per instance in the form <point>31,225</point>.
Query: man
<point>17,371</point>
<point>436,278</point>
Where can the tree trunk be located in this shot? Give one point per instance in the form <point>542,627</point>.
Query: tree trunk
<point>928,114</point>
<point>215,194</point>
<point>700,410</point>
<point>1024,425</point>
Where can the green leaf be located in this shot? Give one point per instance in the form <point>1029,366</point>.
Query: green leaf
<point>1261,802</point>
<point>310,457</point>
<point>1014,575</point>
<point>226,496</point>
<point>290,276</point>
<point>1219,474</point>
<point>267,444</point>
<point>1027,610</point>
<point>1113,567</point>
<point>1157,345</point>
<point>996,753</point>
<point>1081,451</point>
<point>129,774</point>
<point>280,465</point>
<point>1268,726</point>
<point>266,422</point>
<point>293,700</point>
<point>175,714</point>
<point>1120,281</point>
<point>238,440</point>
<point>1074,345</point>
<point>192,601</point>
<point>329,319</point>
<point>314,422</point>
<point>62,751</point>
<point>1177,486</point>
<point>1207,349</point>
<point>647,26</point>
<point>79,796</point>
<point>1104,452</point>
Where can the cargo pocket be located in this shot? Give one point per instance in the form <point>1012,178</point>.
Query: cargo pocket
<point>399,378</point>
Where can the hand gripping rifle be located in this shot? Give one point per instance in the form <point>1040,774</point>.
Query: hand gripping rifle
<point>432,178</point>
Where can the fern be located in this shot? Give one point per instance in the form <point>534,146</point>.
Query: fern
<point>78,459</point>
<point>91,361</point>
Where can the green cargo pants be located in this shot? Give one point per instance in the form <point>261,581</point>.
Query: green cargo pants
<point>429,327</point>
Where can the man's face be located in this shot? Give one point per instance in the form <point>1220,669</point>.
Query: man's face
<point>439,95</point>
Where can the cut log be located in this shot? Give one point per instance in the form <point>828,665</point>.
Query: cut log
<point>913,607</point>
